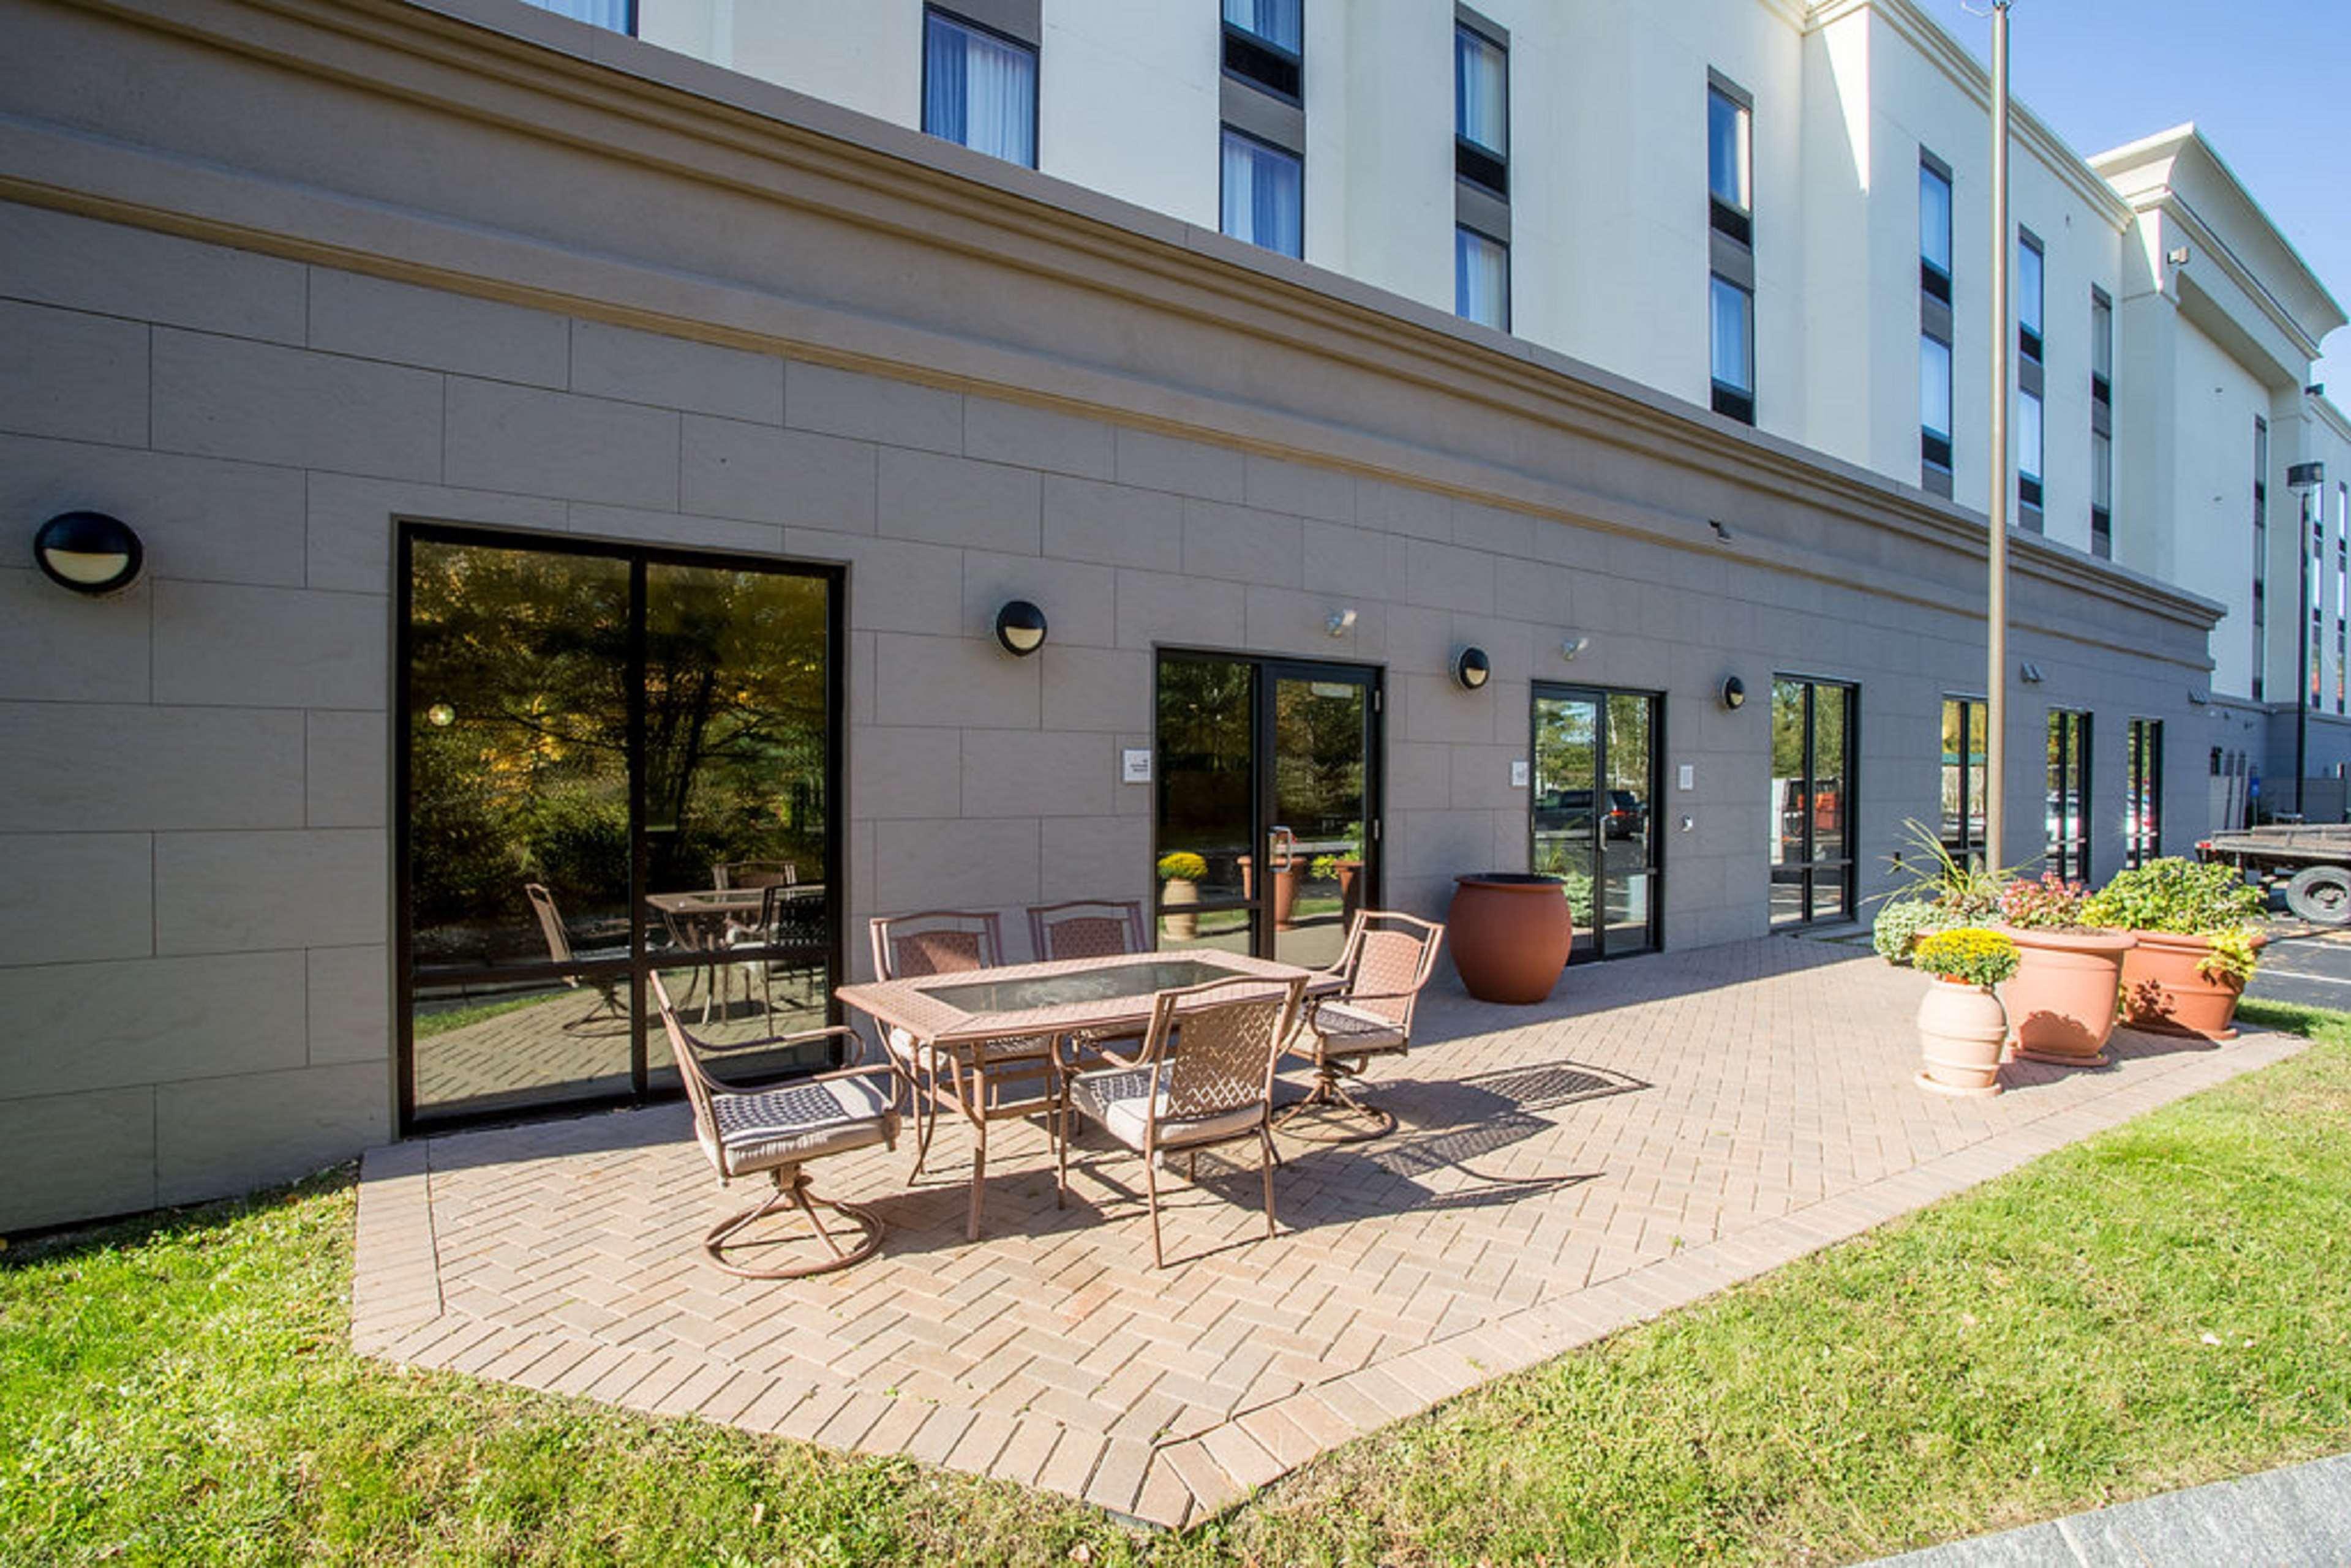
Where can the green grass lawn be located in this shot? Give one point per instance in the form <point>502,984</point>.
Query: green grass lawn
<point>2165,1304</point>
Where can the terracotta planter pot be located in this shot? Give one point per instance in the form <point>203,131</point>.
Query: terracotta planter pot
<point>2163,994</point>
<point>1510,933</point>
<point>1349,878</point>
<point>1962,1030</point>
<point>1285,889</point>
<point>1182,924</point>
<point>2060,1003</point>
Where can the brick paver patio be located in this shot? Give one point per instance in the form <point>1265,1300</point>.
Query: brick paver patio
<point>1663,1127</point>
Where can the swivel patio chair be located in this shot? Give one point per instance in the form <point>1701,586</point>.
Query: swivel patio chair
<point>609,1007</point>
<point>954,942</point>
<point>775,1130</point>
<point>1213,1088</point>
<point>1382,971</point>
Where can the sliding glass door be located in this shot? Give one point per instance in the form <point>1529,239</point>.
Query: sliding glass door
<point>1592,813</point>
<point>614,763</point>
<point>1812,768</point>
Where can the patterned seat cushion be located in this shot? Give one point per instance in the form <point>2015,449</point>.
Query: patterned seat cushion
<point>795,1122</point>
<point>1345,1030</point>
<point>1120,1098</point>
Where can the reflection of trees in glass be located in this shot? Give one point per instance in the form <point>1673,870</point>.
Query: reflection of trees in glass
<point>1204,759</point>
<point>1319,760</point>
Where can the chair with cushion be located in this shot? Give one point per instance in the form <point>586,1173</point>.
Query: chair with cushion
<point>776,1130</point>
<point>954,942</point>
<point>1204,1078</point>
<point>751,875</point>
<point>609,1007</point>
<point>1087,929</point>
<point>1382,971</point>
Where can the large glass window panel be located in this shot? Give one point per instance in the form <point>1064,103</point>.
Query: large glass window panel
<point>1482,279</point>
<point>980,90</point>
<point>1275,21</point>
<point>1629,823</point>
<point>2143,826</point>
<point>2102,470</point>
<point>1206,754</point>
<point>2028,435</point>
<point>1264,194</point>
<point>1481,83</point>
<point>1935,387</point>
<point>2101,338</point>
<point>1566,801</point>
<point>620,16</point>
<point>1934,219</point>
<point>1321,734</point>
<point>1965,753</point>
<point>2028,292</point>
<point>2068,848</point>
<point>1733,322</point>
<point>1812,800</point>
<point>1728,156</point>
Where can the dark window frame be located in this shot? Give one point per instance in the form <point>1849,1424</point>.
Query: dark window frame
<point>1593,946</point>
<point>1808,871</point>
<point>1730,401</point>
<point>1473,160</point>
<point>1226,128</point>
<point>1968,845</point>
<point>1037,81</point>
<point>2143,831</point>
<point>2069,854</point>
<point>1257,61</point>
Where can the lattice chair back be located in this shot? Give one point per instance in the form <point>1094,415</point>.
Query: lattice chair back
<point>750,875</point>
<point>936,942</point>
<point>551,924</point>
<point>1219,1043</point>
<point>1389,959</point>
<point>689,1072</point>
<point>1088,928</point>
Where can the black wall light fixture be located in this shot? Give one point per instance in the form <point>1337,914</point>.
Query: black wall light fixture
<point>1472,669</point>
<point>1734,692</point>
<point>1019,628</point>
<point>89,552</point>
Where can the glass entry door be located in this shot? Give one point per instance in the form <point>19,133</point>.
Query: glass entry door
<point>1812,800</point>
<point>1593,812</point>
<point>1267,830</point>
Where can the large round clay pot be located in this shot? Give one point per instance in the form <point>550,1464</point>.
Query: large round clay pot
<point>1182,924</point>
<point>1509,933</point>
<point>1285,889</point>
<point>2163,994</point>
<point>2061,1001</point>
<point>1350,875</point>
<point>1962,1030</point>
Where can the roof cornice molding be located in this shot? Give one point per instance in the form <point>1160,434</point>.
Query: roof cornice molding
<point>1951,56</point>
<point>491,60</point>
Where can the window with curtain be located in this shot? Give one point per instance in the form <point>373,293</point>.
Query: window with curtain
<point>1732,312</point>
<point>1729,163</point>
<point>620,16</point>
<point>2027,297</point>
<point>1263,193</point>
<point>1482,279</point>
<point>1934,400</point>
<point>1934,231</point>
<point>2028,449</point>
<point>1274,21</point>
<point>1481,87</point>
<point>980,90</point>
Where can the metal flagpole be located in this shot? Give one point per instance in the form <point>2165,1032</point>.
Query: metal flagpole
<point>2004,350</point>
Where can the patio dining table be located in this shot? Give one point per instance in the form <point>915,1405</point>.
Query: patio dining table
<point>1107,998</point>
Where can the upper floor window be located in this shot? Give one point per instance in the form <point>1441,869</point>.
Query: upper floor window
<point>1264,42</point>
<point>1481,110</point>
<point>979,88</point>
<point>1934,230</point>
<point>1263,193</point>
<point>2102,347</point>
<point>1481,278</point>
<point>2028,296</point>
<point>1934,403</point>
<point>620,16</point>
<point>1729,159</point>
<point>1732,314</point>
<point>2028,456</point>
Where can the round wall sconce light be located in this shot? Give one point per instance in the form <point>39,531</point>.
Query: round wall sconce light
<point>89,552</point>
<point>1734,692</point>
<point>1019,628</point>
<point>1472,669</point>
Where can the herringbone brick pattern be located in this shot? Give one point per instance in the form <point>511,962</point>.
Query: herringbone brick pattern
<point>1662,1128</point>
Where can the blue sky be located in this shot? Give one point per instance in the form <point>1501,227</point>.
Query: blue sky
<point>2103,72</point>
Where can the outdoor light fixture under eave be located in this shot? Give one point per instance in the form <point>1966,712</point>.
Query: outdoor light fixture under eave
<point>1019,628</point>
<point>1734,692</point>
<point>1575,644</point>
<point>1472,669</point>
<point>89,552</point>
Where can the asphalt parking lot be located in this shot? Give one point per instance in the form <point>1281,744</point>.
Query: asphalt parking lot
<point>2304,965</point>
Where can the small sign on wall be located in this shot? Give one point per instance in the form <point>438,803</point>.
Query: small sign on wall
<point>1135,764</point>
<point>1685,778</point>
<point>1517,773</point>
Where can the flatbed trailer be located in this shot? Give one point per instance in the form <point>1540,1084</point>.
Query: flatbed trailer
<point>2313,860</point>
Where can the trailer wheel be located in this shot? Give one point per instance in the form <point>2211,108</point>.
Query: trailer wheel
<point>2321,895</point>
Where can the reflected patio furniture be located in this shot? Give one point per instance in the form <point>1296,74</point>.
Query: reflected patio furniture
<point>1087,929</point>
<point>1214,1087</point>
<point>753,874</point>
<point>790,917</point>
<point>776,1129</point>
<point>954,942</point>
<point>1386,964</point>
<point>609,1007</point>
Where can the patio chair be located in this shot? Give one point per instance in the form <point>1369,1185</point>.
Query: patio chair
<point>609,1007</point>
<point>750,875</point>
<point>1382,971</point>
<point>954,942</point>
<point>1087,929</point>
<point>787,918</point>
<point>776,1130</point>
<point>1216,1087</point>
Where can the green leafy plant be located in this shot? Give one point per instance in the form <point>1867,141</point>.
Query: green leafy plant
<point>1900,925</point>
<point>1182,866</point>
<point>2048,903</point>
<point>2177,895</point>
<point>1323,868</point>
<point>2233,959</point>
<point>1968,954</point>
<point>1936,876</point>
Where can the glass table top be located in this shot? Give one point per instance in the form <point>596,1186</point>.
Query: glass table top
<point>976,996</point>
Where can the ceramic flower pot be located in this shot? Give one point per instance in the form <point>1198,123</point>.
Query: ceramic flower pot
<point>1509,934</point>
<point>2061,1002</point>
<point>1351,875</point>
<point>1181,923</point>
<point>1285,889</point>
<point>1962,1031</point>
<point>2164,994</point>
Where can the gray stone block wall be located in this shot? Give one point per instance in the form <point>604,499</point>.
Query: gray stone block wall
<point>194,795</point>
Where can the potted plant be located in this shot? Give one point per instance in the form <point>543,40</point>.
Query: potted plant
<point>1285,886</point>
<point>1901,922</point>
<point>1935,891</point>
<point>2196,945</point>
<point>1962,1027</point>
<point>2061,1005</point>
<point>1343,869</point>
<point>1510,935</point>
<point>1180,874</point>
